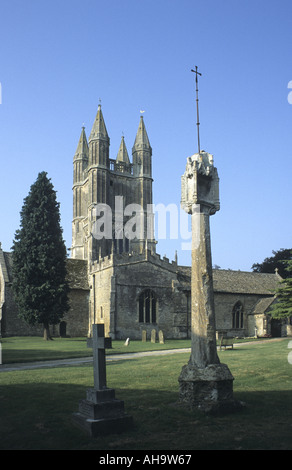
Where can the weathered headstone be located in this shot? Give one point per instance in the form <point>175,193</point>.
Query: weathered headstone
<point>153,336</point>
<point>144,336</point>
<point>127,342</point>
<point>204,382</point>
<point>101,412</point>
<point>161,337</point>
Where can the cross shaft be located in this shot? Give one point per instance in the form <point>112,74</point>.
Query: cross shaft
<point>99,343</point>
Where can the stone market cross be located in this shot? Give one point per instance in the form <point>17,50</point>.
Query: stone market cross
<point>204,382</point>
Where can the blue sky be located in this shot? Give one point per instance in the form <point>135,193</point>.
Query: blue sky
<point>59,58</point>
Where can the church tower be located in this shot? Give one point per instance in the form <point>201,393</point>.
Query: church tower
<point>117,184</point>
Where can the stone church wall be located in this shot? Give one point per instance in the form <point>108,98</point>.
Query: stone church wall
<point>111,293</point>
<point>171,306</point>
<point>224,304</point>
<point>12,325</point>
<point>76,320</point>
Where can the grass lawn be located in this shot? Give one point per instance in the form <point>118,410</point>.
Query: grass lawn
<point>36,405</point>
<point>27,349</point>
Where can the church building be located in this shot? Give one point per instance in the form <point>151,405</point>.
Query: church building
<point>115,274</point>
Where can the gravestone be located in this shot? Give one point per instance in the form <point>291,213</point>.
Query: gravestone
<point>127,342</point>
<point>101,413</point>
<point>153,336</point>
<point>161,337</point>
<point>204,382</point>
<point>144,336</point>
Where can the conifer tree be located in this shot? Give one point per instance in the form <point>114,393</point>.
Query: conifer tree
<point>283,307</point>
<point>39,258</point>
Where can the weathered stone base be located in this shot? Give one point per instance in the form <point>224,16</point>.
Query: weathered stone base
<point>98,427</point>
<point>209,389</point>
<point>102,414</point>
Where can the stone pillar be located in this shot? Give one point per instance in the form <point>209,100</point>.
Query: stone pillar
<point>204,349</point>
<point>204,382</point>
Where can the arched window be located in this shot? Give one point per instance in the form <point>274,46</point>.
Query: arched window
<point>237,315</point>
<point>147,307</point>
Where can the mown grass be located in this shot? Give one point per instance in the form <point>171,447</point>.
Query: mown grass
<point>36,405</point>
<point>27,349</point>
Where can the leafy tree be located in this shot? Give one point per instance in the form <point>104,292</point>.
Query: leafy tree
<point>39,258</point>
<point>283,307</point>
<point>277,261</point>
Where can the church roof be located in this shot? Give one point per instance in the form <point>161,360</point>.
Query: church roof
<point>242,282</point>
<point>5,265</point>
<point>76,271</point>
<point>236,282</point>
<point>263,305</point>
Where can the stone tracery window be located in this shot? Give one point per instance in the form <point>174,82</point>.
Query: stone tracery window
<point>147,307</point>
<point>237,315</point>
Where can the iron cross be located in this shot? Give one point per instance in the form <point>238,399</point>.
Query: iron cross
<point>197,100</point>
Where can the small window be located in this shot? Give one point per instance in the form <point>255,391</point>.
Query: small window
<point>147,307</point>
<point>237,315</point>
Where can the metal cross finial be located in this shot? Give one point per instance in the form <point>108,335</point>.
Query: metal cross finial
<point>197,100</point>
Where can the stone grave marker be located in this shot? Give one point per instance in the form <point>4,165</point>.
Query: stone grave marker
<point>101,413</point>
<point>153,336</point>
<point>144,336</point>
<point>161,337</point>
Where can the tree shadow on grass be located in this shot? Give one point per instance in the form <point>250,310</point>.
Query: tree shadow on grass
<point>13,356</point>
<point>39,416</point>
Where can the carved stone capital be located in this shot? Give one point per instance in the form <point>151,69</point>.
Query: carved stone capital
<point>200,184</point>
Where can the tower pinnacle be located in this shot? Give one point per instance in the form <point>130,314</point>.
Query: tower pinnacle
<point>123,153</point>
<point>98,130</point>
<point>141,141</point>
<point>82,147</point>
